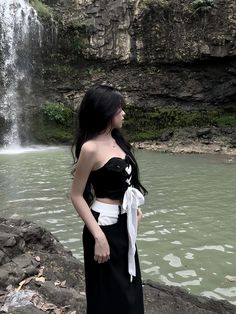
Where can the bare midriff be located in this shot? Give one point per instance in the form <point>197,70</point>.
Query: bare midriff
<point>109,201</point>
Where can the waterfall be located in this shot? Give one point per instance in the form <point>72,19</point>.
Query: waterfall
<point>20,32</point>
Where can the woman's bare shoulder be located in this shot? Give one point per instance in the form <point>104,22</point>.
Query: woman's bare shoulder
<point>89,148</point>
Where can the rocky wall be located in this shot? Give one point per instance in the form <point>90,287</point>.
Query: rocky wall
<point>158,52</point>
<point>157,31</point>
<point>182,31</point>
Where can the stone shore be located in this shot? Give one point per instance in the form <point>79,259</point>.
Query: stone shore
<point>187,147</point>
<point>210,140</point>
<point>38,275</point>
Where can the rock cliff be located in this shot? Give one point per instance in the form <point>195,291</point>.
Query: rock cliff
<point>160,53</point>
<point>154,31</point>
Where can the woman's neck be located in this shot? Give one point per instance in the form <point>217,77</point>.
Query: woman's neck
<point>107,138</point>
<point>106,135</point>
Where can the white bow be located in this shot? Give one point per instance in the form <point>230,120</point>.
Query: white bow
<point>133,198</point>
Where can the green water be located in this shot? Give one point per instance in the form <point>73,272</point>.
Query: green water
<point>187,236</point>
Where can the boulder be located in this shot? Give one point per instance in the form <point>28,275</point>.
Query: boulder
<point>37,273</point>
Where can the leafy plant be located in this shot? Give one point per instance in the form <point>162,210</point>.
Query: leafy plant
<point>42,9</point>
<point>226,119</point>
<point>58,113</point>
<point>149,123</point>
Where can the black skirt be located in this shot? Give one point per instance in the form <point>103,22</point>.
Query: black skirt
<point>108,286</point>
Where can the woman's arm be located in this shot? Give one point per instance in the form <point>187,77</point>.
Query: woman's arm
<point>84,167</point>
<point>139,215</point>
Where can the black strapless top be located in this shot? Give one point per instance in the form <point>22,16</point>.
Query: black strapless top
<point>112,179</point>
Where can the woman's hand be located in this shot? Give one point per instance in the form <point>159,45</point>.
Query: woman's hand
<point>101,249</point>
<point>139,215</point>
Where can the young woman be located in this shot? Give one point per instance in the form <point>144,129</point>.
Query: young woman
<point>106,192</point>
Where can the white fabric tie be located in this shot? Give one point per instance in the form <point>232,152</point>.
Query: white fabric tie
<point>133,198</point>
<point>109,213</point>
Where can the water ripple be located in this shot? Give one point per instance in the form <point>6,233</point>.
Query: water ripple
<point>173,260</point>
<point>210,247</point>
<point>195,282</point>
<point>46,199</point>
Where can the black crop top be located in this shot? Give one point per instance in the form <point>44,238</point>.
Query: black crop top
<point>112,179</point>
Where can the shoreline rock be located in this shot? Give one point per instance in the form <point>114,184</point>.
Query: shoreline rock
<point>38,275</point>
<point>209,140</point>
<point>163,299</point>
<point>34,262</point>
<point>188,146</point>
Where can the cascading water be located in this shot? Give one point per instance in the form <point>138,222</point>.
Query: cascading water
<point>20,32</point>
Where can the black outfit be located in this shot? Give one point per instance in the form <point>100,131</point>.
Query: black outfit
<point>111,180</point>
<point>108,286</point>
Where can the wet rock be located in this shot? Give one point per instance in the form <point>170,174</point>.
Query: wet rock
<point>173,300</point>
<point>166,136</point>
<point>32,259</point>
<point>61,295</point>
<point>28,309</point>
<point>3,258</point>
<point>232,143</point>
<point>205,132</point>
<point>17,299</point>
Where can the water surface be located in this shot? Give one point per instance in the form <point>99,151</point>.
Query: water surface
<point>187,236</point>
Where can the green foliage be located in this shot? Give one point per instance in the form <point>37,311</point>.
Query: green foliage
<point>225,119</point>
<point>147,135</point>
<point>51,124</point>
<point>42,9</point>
<point>59,113</point>
<point>76,38</point>
<point>148,124</point>
<point>170,116</point>
<point>46,132</point>
<point>77,23</point>
<point>202,5</point>
<point>54,122</point>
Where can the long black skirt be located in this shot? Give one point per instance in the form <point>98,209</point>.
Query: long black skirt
<point>108,286</point>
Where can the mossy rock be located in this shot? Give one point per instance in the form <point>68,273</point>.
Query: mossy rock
<point>148,124</point>
<point>51,127</point>
<point>51,134</point>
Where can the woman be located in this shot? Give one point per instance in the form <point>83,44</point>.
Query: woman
<point>106,192</point>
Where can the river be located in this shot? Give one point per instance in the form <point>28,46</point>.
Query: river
<point>187,236</point>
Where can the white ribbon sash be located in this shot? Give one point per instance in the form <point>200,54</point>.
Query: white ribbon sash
<point>133,198</point>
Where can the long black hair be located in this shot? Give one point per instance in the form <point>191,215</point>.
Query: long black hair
<point>98,106</point>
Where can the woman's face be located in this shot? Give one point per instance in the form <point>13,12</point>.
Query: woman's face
<point>118,119</point>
